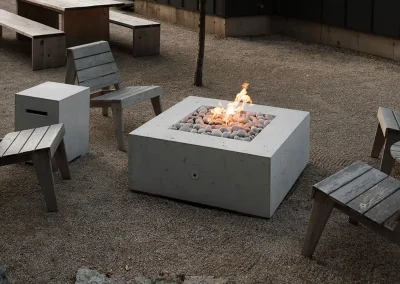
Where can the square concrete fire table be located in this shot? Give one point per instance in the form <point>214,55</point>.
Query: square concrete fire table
<point>248,177</point>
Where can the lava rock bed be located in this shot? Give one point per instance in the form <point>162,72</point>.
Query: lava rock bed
<point>243,126</point>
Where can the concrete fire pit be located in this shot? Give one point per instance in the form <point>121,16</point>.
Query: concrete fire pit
<point>250,177</point>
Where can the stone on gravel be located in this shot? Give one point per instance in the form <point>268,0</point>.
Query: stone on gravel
<point>236,128</point>
<point>208,128</point>
<point>241,133</point>
<point>243,120</point>
<point>226,134</point>
<point>193,131</point>
<point>237,137</point>
<point>3,276</point>
<point>223,129</point>
<point>201,131</point>
<point>85,275</point>
<point>266,123</point>
<point>197,126</point>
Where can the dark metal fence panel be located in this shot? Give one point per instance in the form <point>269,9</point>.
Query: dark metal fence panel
<point>359,15</point>
<point>176,3</point>
<point>387,18</point>
<point>334,12</point>
<point>191,5</point>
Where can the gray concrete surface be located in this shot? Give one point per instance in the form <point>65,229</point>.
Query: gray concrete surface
<point>103,225</point>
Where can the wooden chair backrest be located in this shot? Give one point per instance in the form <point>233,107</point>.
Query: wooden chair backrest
<point>92,65</point>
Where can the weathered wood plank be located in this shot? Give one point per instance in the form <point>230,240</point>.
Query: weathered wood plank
<point>96,72</point>
<point>387,120</point>
<point>148,93</point>
<point>358,186</point>
<point>386,209</point>
<point>34,140</point>
<point>129,21</point>
<point>52,138</point>
<point>122,93</point>
<point>92,61</point>
<point>397,116</point>
<point>7,141</point>
<point>25,26</point>
<point>376,194</point>
<point>102,82</point>
<point>18,143</point>
<point>146,41</point>
<point>342,177</point>
<point>89,49</point>
<point>64,5</point>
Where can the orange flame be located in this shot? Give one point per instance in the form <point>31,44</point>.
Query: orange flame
<point>234,107</point>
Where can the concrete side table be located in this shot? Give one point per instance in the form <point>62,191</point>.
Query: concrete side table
<point>52,103</point>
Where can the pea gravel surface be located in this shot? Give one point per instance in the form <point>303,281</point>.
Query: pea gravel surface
<point>103,225</point>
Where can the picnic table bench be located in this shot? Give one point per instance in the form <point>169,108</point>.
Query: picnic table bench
<point>48,44</point>
<point>365,194</point>
<point>146,34</point>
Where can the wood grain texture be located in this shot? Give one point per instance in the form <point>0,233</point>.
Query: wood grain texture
<point>101,82</point>
<point>7,141</point>
<point>89,49</point>
<point>387,120</point>
<point>386,209</point>
<point>65,5</point>
<point>34,139</point>
<point>358,186</point>
<point>342,177</point>
<point>19,142</point>
<point>129,21</point>
<point>93,61</point>
<point>96,72</point>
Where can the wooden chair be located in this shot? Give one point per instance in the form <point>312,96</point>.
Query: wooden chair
<point>365,194</point>
<point>387,133</point>
<point>93,66</point>
<point>45,147</point>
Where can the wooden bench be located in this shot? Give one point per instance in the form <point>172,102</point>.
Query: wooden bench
<point>387,133</point>
<point>93,66</point>
<point>48,44</point>
<point>365,194</point>
<point>146,34</point>
<point>39,145</point>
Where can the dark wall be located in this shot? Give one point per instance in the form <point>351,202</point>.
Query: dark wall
<point>380,17</point>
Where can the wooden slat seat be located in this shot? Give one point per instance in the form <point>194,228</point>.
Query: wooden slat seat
<point>146,34</point>
<point>48,44</point>
<point>365,194</point>
<point>92,65</point>
<point>39,145</point>
<point>387,133</point>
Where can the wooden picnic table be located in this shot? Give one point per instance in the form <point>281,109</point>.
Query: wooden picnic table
<point>83,21</point>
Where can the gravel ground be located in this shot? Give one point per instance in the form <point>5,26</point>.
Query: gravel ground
<point>103,225</point>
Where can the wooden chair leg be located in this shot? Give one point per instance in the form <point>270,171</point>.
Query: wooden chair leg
<point>353,221</point>
<point>62,161</point>
<point>387,159</point>
<point>321,210</point>
<point>156,102</point>
<point>42,163</point>
<point>378,142</point>
<point>54,165</point>
<point>118,124</point>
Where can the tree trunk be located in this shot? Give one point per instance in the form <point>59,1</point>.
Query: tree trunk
<point>198,77</point>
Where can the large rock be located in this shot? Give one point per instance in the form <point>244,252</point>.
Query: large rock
<point>3,277</point>
<point>170,278</point>
<point>88,276</point>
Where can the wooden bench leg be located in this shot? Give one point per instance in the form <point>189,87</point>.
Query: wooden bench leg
<point>378,142</point>
<point>62,161</point>
<point>156,102</point>
<point>42,163</point>
<point>321,210</point>
<point>104,111</point>
<point>118,124</point>
<point>146,41</point>
<point>48,52</point>
<point>387,159</point>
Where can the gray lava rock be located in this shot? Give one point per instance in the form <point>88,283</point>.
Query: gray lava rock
<point>259,125</point>
<point>208,128</point>
<point>173,128</point>
<point>184,128</point>
<point>201,131</point>
<point>241,133</point>
<point>178,125</point>
<point>252,133</point>
<point>248,139</point>
<point>190,121</point>
<point>3,276</point>
<point>259,130</point>
<point>269,117</point>
<point>206,119</point>
<point>197,126</point>
<point>237,138</point>
<point>88,276</point>
<point>193,131</point>
<point>261,121</point>
<point>249,114</point>
<point>217,133</point>
<point>249,124</point>
<point>199,121</point>
<point>254,129</point>
<point>266,123</point>
<point>223,129</point>
<point>236,128</point>
<point>226,134</point>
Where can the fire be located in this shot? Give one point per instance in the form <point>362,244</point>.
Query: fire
<point>233,108</point>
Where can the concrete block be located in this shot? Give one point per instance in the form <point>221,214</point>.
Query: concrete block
<point>376,45</point>
<point>246,26</point>
<point>247,177</point>
<point>340,37</point>
<point>304,30</point>
<point>52,103</point>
